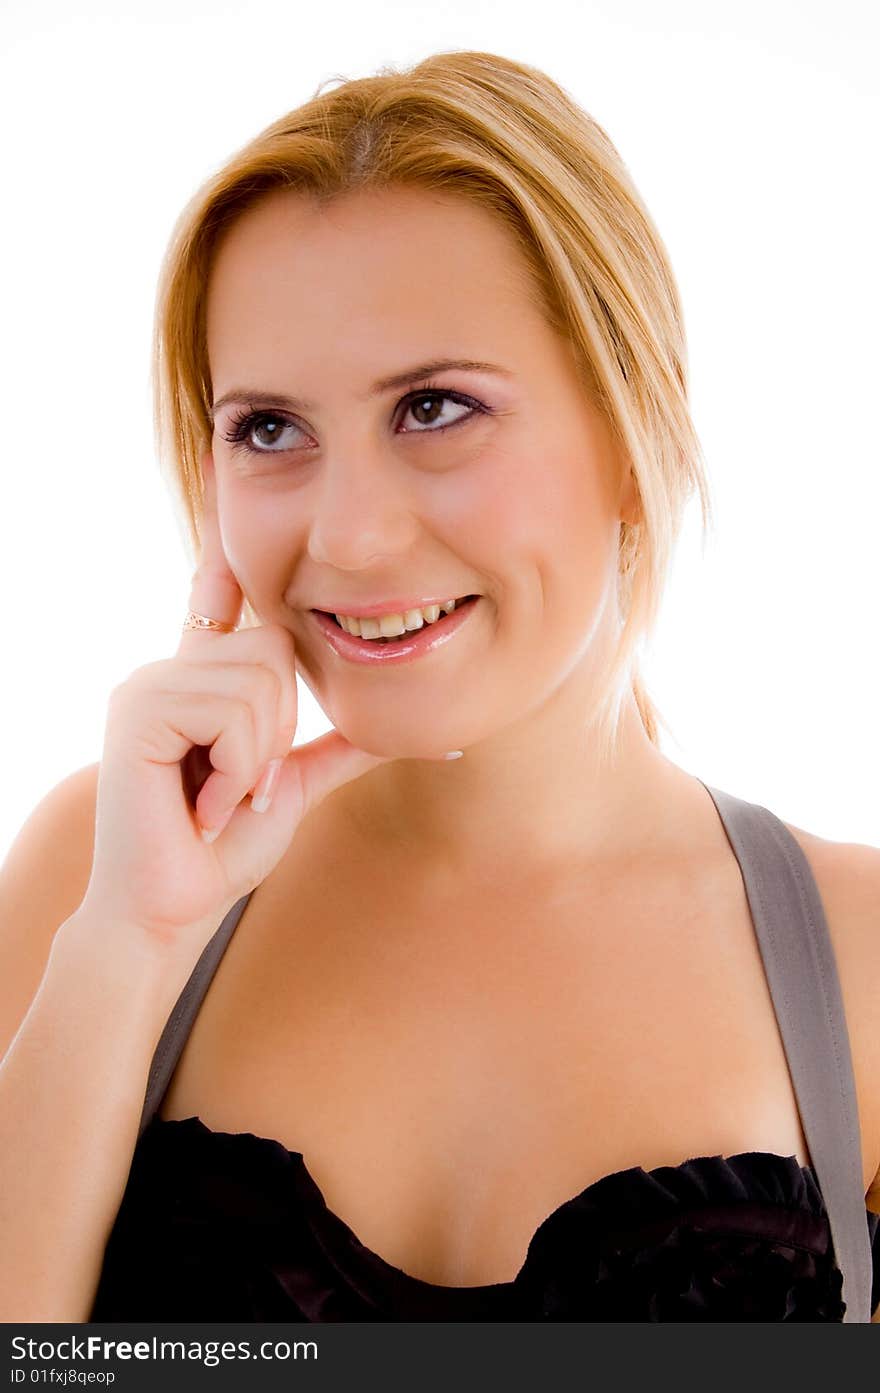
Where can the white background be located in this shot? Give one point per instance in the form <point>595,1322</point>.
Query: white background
<point>751,132</point>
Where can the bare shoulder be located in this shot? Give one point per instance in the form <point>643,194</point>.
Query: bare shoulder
<point>847,875</point>
<point>63,821</point>
<point>43,878</point>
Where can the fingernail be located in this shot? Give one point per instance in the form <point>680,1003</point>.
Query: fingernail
<point>210,834</point>
<point>453,754</point>
<point>265,786</point>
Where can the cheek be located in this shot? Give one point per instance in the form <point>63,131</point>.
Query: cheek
<point>498,505</point>
<point>547,510</point>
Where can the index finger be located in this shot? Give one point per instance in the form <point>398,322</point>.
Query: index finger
<point>215,593</point>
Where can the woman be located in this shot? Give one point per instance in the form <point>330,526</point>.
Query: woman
<point>410,1036</point>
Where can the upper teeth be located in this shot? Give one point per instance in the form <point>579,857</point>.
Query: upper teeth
<point>387,625</point>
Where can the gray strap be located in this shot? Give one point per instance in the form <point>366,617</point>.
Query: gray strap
<point>184,1012</point>
<point>802,976</point>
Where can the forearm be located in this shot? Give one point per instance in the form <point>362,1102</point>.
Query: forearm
<point>71,1094</point>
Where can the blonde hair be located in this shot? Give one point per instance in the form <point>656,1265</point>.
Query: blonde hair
<point>511,140</point>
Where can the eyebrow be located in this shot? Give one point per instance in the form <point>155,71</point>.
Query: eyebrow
<point>385,384</point>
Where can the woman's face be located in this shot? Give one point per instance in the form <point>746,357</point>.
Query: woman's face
<point>499,484</point>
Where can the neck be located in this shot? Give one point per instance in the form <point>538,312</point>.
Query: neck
<point>531,797</point>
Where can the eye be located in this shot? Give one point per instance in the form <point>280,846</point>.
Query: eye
<point>417,400</point>
<point>241,425</point>
<point>247,422</point>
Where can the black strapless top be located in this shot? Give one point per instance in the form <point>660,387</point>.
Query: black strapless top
<point>229,1226</point>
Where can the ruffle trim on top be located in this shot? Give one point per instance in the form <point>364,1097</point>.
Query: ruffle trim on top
<point>231,1226</point>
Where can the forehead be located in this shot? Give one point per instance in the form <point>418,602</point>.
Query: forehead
<point>371,262</point>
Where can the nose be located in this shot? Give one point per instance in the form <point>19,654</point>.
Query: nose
<point>362,512</point>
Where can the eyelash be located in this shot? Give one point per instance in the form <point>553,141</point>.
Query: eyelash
<point>243,423</point>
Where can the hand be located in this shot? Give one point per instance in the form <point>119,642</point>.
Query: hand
<point>187,740</point>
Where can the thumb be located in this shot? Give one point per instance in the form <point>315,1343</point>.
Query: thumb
<point>315,769</point>
<point>312,771</point>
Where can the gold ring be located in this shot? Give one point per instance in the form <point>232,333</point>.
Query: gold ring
<point>201,621</point>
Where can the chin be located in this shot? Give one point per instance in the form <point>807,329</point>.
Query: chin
<point>394,730</point>
<point>386,738</point>
<point>395,748</point>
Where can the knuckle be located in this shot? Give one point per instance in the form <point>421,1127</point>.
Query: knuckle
<point>285,641</point>
<point>255,734</point>
<point>244,712</point>
<point>270,683</point>
<point>124,690</point>
<point>148,675</point>
<point>239,750</point>
<point>276,632</point>
<point>282,646</point>
<point>247,748</point>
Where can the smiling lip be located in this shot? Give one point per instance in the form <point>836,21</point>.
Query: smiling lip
<point>362,610</point>
<point>403,649</point>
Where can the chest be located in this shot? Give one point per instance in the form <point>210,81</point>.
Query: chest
<point>453,1067</point>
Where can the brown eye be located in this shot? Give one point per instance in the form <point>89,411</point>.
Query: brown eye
<point>427,402</point>
<point>241,426</point>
